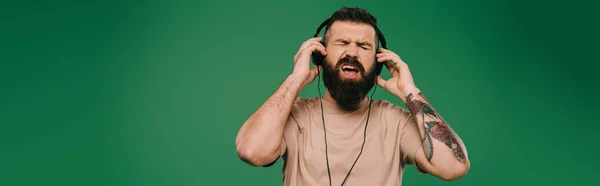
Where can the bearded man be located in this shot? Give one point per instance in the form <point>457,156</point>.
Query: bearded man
<point>346,137</point>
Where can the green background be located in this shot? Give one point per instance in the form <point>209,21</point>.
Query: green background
<point>153,92</point>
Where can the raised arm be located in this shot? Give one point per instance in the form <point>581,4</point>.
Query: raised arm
<point>258,140</point>
<point>442,153</point>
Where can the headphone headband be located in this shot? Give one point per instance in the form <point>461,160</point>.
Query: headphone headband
<point>318,59</point>
<point>321,26</point>
<point>377,31</point>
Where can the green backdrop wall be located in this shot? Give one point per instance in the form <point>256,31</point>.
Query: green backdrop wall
<point>152,93</point>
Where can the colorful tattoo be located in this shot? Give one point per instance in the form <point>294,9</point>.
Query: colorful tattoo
<point>435,127</point>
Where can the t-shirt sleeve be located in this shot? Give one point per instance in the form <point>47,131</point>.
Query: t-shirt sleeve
<point>410,139</point>
<point>408,131</point>
<point>290,130</point>
<point>283,145</point>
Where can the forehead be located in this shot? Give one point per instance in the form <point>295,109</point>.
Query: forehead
<point>351,30</point>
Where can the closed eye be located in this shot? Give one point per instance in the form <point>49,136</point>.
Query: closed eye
<point>364,45</point>
<point>342,42</point>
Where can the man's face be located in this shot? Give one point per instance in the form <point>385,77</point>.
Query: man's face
<point>349,71</point>
<point>356,40</point>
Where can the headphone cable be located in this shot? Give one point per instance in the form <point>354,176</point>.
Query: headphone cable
<point>323,117</point>
<point>364,136</point>
<point>325,131</point>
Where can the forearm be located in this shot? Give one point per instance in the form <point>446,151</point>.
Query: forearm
<point>439,140</point>
<point>259,138</point>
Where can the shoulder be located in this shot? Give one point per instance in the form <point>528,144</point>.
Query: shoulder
<point>388,107</point>
<point>301,110</point>
<point>303,101</point>
<point>391,112</point>
<point>303,105</point>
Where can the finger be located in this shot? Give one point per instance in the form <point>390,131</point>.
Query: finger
<point>388,57</point>
<point>315,39</point>
<point>381,82</point>
<point>321,49</point>
<point>384,50</point>
<point>305,55</point>
<point>315,47</point>
<point>305,44</point>
<point>311,48</point>
<point>310,41</point>
<point>403,68</point>
<point>313,73</point>
<point>392,59</point>
<point>388,62</point>
<point>387,52</point>
<point>389,65</point>
<point>380,55</point>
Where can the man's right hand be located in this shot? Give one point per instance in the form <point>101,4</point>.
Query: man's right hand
<point>302,60</point>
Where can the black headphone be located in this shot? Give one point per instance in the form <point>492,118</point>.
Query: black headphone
<point>318,58</point>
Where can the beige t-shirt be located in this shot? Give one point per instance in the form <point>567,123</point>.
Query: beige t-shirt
<point>391,137</point>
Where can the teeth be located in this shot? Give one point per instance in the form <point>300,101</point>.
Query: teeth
<point>348,67</point>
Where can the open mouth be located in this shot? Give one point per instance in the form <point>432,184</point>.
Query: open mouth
<point>349,68</point>
<point>350,71</point>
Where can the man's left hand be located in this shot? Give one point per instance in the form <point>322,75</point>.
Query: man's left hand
<point>401,83</point>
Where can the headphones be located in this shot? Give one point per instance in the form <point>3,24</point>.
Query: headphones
<point>319,59</point>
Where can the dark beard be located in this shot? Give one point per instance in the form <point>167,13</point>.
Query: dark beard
<point>348,93</point>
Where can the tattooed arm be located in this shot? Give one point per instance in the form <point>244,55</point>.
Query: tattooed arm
<point>443,154</point>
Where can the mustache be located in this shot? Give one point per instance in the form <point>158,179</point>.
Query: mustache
<point>351,61</point>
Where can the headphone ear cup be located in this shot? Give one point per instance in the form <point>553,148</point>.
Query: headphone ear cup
<point>317,57</point>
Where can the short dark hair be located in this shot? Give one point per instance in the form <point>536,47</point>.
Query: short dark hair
<point>354,15</point>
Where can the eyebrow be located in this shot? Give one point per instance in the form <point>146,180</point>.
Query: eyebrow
<point>358,42</point>
<point>341,40</point>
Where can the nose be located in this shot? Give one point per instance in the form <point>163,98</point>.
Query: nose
<point>352,50</point>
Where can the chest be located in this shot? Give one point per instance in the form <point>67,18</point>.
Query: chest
<point>342,144</point>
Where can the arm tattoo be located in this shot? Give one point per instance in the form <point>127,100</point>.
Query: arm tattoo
<point>435,127</point>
